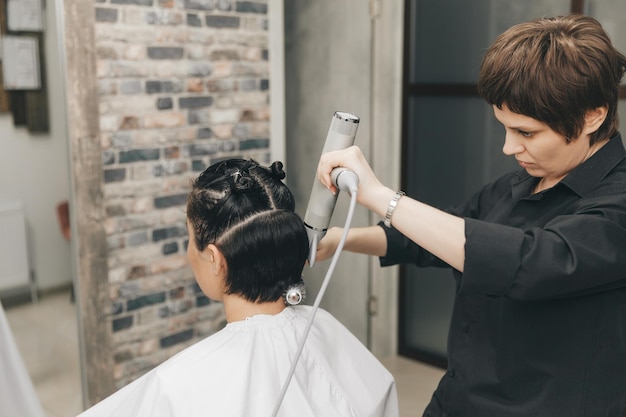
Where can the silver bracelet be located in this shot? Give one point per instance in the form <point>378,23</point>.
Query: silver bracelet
<point>392,207</point>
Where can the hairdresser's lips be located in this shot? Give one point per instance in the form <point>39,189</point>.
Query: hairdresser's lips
<point>525,165</point>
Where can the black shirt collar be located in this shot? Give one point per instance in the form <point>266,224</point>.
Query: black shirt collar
<point>584,177</point>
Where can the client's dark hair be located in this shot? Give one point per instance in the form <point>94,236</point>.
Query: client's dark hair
<point>246,210</point>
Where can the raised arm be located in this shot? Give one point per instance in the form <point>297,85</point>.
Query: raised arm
<point>440,233</point>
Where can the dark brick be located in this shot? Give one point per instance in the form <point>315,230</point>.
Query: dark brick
<point>177,293</point>
<point>162,87</point>
<point>168,233</point>
<point>254,144</point>
<point>247,115</point>
<point>174,308</point>
<point>122,323</point>
<point>139,155</point>
<point>194,20</point>
<point>202,149</point>
<point>224,54</point>
<point>169,168</point>
<point>122,356</point>
<point>164,103</point>
<point>129,123</point>
<point>145,300</point>
<point>223,21</point>
<point>171,152</point>
<point>106,15</point>
<point>202,301</point>
<point>170,201</point>
<point>195,102</point>
<point>117,308</point>
<point>195,288</point>
<point>251,7</point>
<point>114,175</point>
<point>198,165</point>
<point>199,4</point>
<point>137,271</point>
<point>200,69</point>
<point>108,157</point>
<point>176,338</point>
<point>197,117</point>
<point>165,52</point>
<point>170,248</point>
<point>115,210</point>
<point>164,312</point>
<point>204,133</point>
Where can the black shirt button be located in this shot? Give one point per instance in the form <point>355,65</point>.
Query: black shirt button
<point>451,372</point>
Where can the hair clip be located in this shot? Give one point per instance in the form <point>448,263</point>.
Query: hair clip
<point>295,294</point>
<point>236,174</point>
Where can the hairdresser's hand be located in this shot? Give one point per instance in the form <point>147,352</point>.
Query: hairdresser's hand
<point>327,247</point>
<point>371,193</point>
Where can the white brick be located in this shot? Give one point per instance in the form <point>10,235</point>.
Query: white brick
<point>142,205</point>
<point>225,116</point>
<point>224,131</point>
<point>164,119</point>
<point>117,275</point>
<point>109,122</point>
<point>134,52</point>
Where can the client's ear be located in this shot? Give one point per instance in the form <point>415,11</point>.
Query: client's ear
<point>217,260</point>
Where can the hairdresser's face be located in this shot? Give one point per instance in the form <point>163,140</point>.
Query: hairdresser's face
<point>204,269</point>
<point>541,151</point>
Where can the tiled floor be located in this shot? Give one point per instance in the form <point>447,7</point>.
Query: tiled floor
<point>47,336</point>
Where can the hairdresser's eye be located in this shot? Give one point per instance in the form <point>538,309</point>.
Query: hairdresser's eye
<point>524,133</point>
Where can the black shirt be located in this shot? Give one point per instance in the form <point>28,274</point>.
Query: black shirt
<point>539,320</point>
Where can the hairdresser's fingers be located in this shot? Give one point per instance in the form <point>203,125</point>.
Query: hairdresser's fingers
<point>351,158</point>
<point>327,247</point>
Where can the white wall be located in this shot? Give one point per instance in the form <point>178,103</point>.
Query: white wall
<point>34,169</point>
<point>327,61</point>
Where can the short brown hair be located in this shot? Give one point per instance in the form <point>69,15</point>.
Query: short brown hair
<point>555,70</point>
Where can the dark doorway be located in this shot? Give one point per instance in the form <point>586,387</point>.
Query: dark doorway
<point>451,141</point>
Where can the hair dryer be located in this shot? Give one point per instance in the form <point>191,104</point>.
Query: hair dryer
<point>341,134</point>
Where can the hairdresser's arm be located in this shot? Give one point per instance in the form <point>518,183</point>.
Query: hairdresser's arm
<point>440,233</point>
<point>366,240</point>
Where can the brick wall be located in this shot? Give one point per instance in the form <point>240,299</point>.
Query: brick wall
<point>182,84</point>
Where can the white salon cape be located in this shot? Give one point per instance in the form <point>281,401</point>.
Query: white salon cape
<point>240,371</point>
<point>17,394</point>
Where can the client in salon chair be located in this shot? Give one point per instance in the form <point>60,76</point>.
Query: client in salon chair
<point>247,248</point>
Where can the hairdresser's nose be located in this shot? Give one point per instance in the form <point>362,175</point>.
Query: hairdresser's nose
<point>512,144</point>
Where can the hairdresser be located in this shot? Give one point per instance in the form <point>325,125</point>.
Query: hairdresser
<point>539,255</point>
